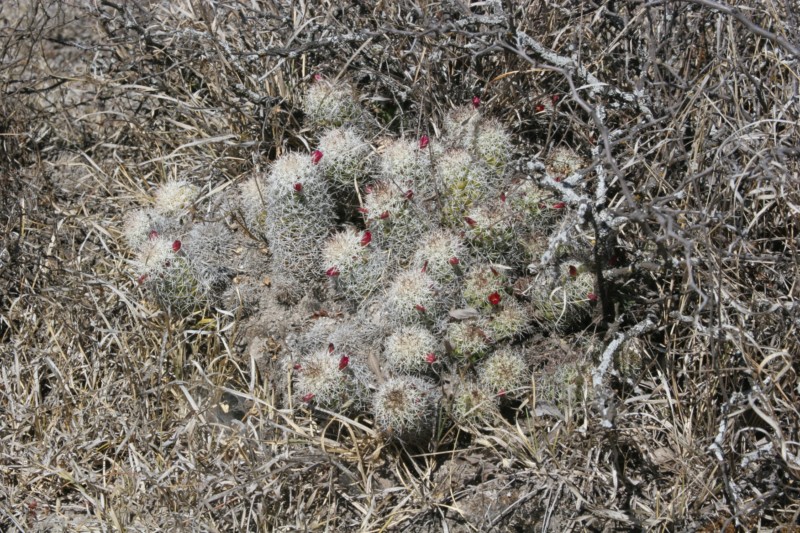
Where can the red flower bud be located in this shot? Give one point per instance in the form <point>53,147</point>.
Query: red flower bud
<point>592,297</point>
<point>430,358</point>
<point>330,347</point>
<point>298,187</point>
<point>152,235</point>
<point>384,215</point>
<point>424,266</point>
<point>142,279</point>
<point>316,156</point>
<point>573,272</point>
<point>503,197</point>
<point>298,367</point>
<point>453,260</point>
<point>343,362</point>
<point>308,397</point>
<point>538,108</point>
<point>362,210</point>
<point>176,246</point>
<point>317,77</point>
<point>470,222</point>
<point>501,393</point>
<point>494,298</point>
<point>409,194</point>
<point>423,142</point>
<point>366,238</point>
<point>332,272</point>
<point>494,271</point>
<point>476,102</point>
<point>420,308</point>
<point>555,99</point>
<point>368,189</point>
<point>559,205</point>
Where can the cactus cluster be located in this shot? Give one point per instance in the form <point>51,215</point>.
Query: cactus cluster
<point>421,238</point>
<point>179,263</point>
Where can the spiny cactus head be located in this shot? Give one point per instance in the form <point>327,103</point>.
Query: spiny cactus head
<point>287,172</point>
<point>473,404</point>
<point>344,154</point>
<point>330,103</point>
<point>174,197</point>
<point>166,274</point>
<point>385,201</point>
<point>253,206</point>
<point>563,162</point>
<point>411,349</point>
<point>461,125</point>
<point>406,162</point>
<point>481,282</point>
<point>510,319</point>
<point>139,225</point>
<point>395,218</point>
<point>493,145</point>
<point>209,248</point>
<point>443,255</point>
<point>504,372</point>
<point>532,205</point>
<point>465,181</point>
<point>564,385</point>
<point>346,250</point>
<point>412,298</point>
<point>331,379</point>
<point>405,406</point>
<point>469,339</point>
<point>491,231</point>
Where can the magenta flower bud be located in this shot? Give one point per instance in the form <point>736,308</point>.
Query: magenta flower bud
<point>308,397</point>
<point>409,194</point>
<point>368,189</point>
<point>142,279</point>
<point>453,261</point>
<point>430,358</point>
<point>176,246</point>
<point>420,308</point>
<point>343,362</point>
<point>366,238</point>
<point>423,142</point>
<point>501,393</point>
<point>538,108</point>
<point>298,367</point>
<point>384,215</point>
<point>316,156</point>
<point>555,99</point>
<point>573,272</point>
<point>332,272</point>
<point>494,298</point>
<point>470,222</point>
<point>362,210</point>
<point>152,235</point>
<point>503,197</point>
<point>476,102</point>
<point>592,297</point>
<point>330,347</point>
<point>559,205</point>
<point>317,77</point>
<point>298,187</point>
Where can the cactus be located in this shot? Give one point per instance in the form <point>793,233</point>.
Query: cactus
<point>331,379</point>
<point>443,256</point>
<point>492,233</point>
<point>464,183</point>
<point>352,262</point>
<point>412,298</point>
<point>407,163</point>
<point>410,349</point>
<point>564,385</point>
<point>299,216</point>
<point>208,245</point>
<point>469,340</point>
<point>563,162</point>
<point>167,275</point>
<point>566,302</point>
<point>140,224</point>
<point>509,320</point>
<point>404,407</point>
<point>175,197</point>
<point>484,286</point>
<point>343,155</point>
<point>394,218</point>
<point>493,145</point>
<point>473,403</point>
<point>330,104</point>
<point>504,372</point>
